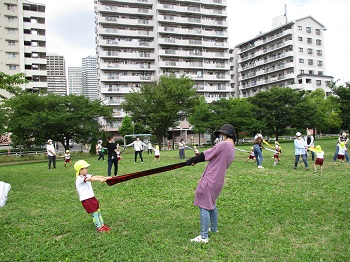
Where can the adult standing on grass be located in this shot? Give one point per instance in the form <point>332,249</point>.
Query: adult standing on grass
<point>138,147</point>
<point>86,194</point>
<point>99,151</point>
<point>309,141</point>
<point>51,153</point>
<point>300,151</point>
<point>211,183</point>
<point>257,150</point>
<point>341,138</point>
<point>112,155</point>
<point>182,146</point>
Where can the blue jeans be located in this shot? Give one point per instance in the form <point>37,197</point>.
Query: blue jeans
<point>208,218</point>
<point>297,157</point>
<point>258,155</point>
<point>112,162</point>
<point>182,153</point>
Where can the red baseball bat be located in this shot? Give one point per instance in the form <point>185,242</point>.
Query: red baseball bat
<point>118,179</point>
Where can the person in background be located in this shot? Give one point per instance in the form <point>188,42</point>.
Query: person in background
<point>99,151</point>
<point>211,183</point>
<point>86,194</point>
<point>138,147</point>
<point>112,155</point>
<point>300,150</point>
<point>342,152</point>
<point>67,158</point>
<point>341,138</point>
<point>149,147</point>
<point>309,141</point>
<point>182,146</point>
<point>251,155</point>
<point>51,153</point>
<point>319,158</point>
<point>156,154</point>
<point>257,150</point>
<point>196,151</point>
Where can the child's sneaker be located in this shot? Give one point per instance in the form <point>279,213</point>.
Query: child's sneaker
<point>103,228</point>
<point>199,239</point>
<point>107,228</point>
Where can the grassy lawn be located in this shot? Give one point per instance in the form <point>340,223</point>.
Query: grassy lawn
<point>271,214</point>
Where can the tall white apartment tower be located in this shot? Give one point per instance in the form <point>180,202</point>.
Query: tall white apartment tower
<point>140,40</point>
<point>291,54</point>
<point>23,42</point>
<point>56,74</point>
<point>75,81</point>
<point>89,77</point>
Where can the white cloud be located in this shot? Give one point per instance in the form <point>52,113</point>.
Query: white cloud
<point>70,26</point>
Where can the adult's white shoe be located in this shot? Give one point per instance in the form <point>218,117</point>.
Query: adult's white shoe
<point>199,239</point>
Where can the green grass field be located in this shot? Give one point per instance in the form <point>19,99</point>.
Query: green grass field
<point>271,214</point>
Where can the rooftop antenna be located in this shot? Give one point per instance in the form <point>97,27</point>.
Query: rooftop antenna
<point>285,12</point>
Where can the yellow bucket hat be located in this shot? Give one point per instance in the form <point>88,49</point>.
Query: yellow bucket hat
<point>79,165</point>
<point>318,149</point>
<point>342,144</point>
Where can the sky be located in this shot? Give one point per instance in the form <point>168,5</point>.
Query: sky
<point>70,27</point>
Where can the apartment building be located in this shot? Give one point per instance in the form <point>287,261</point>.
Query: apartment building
<point>89,77</point>
<point>140,40</point>
<point>75,81</point>
<point>292,54</point>
<point>56,74</point>
<point>23,42</point>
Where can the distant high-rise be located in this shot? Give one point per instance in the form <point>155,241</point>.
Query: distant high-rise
<point>75,81</point>
<point>138,41</point>
<point>89,76</point>
<point>56,74</point>
<point>291,54</point>
<point>23,42</point>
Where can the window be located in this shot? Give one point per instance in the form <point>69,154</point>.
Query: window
<point>319,63</point>
<point>318,31</point>
<point>311,72</point>
<point>310,61</point>
<point>309,51</point>
<point>301,61</point>
<point>11,55</point>
<point>300,39</point>
<point>10,7</point>
<point>12,67</point>
<point>301,49</point>
<point>308,81</point>
<point>319,52</point>
<point>35,55</point>
<point>301,71</point>
<point>318,42</point>
<point>11,42</point>
<point>34,43</point>
<point>11,19</point>
<point>11,31</point>
<point>318,82</point>
<point>300,28</point>
<point>309,40</point>
<point>308,29</point>
<point>320,73</point>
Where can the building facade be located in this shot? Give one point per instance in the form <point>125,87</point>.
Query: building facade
<point>292,54</point>
<point>75,81</point>
<point>23,42</point>
<point>56,74</point>
<point>140,40</point>
<point>89,77</point>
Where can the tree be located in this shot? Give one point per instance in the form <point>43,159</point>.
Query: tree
<point>279,108</point>
<point>34,118</point>
<point>199,117</point>
<point>343,96</point>
<point>9,86</point>
<point>162,104</point>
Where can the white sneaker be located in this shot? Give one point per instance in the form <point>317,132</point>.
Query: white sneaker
<point>260,167</point>
<point>217,231</point>
<point>199,239</point>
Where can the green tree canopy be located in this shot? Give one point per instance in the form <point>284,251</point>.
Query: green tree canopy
<point>343,96</point>
<point>33,118</point>
<point>162,104</point>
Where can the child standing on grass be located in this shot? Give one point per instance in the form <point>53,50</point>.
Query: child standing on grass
<point>211,183</point>
<point>276,155</point>
<point>251,155</point>
<point>342,151</point>
<point>86,194</point>
<point>319,158</point>
<point>156,153</point>
<point>67,158</point>
<point>196,152</point>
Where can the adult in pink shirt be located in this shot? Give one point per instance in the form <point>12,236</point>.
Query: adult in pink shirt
<point>211,183</point>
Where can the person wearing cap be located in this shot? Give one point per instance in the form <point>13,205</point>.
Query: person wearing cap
<point>251,155</point>
<point>51,153</point>
<point>156,154</point>
<point>211,183</point>
<point>67,158</point>
<point>276,155</point>
<point>86,194</point>
<point>138,147</point>
<point>341,138</point>
<point>309,141</point>
<point>196,151</point>
<point>300,150</point>
<point>319,158</point>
